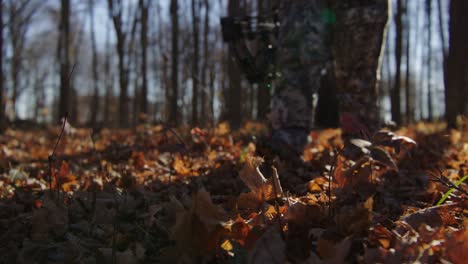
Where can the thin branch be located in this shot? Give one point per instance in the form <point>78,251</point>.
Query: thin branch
<point>442,179</point>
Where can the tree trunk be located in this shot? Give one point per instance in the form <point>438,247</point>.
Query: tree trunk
<point>430,109</point>
<point>212,75</point>
<point>195,74</point>
<point>455,91</point>
<point>2,103</point>
<point>326,112</point>
<point>116,15</point>
<point>409,107</point>
<point>233,102</point>
<point>64,58</point>
<point>95,103</point>
<point>173,112</point>
<point>20,14</point>
<point>204,83</point>
<point>395,95</point>
<point>388,66</point>
<point>109,79</point>
<point>441,28</point>
<point>263,90</point>
<point>144,7</point>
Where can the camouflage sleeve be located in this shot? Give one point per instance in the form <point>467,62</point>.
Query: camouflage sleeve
<point>357,46</point>
<point>301,57</point>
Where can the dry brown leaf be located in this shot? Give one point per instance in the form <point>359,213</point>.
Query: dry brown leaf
<point>301,213</point>
<point>190,233</point>
<point>180,167</point>
<point>354,220</point>
<point>431,216</point>
<point>209,213</point>
<point>457,246</point>
<point>251,175</point>
<point>49,219</point>
<point>333,253</point>
<point>269,249</point>
<point>194,226</point>
<point>261,188</point>
<point>381,236</point>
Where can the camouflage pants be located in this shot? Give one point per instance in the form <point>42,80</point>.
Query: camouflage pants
<point>356,37</point>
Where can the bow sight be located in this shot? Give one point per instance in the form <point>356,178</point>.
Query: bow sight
<point>261,30</point>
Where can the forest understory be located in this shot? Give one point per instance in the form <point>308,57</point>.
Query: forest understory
<point>159,195</point>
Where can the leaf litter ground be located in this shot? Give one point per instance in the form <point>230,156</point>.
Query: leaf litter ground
<point>154,195</point>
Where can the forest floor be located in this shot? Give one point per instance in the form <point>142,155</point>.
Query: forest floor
<point>154,195</point>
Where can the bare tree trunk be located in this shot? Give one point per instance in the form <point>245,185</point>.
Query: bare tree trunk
<point>430,109</point>
<point>115,11</point>
<point>20,14</point>
<point>39,92</point>
<point>417,43</point>
<point>441,28</point>
<point>95,102</point>
<point>263,90</point>
<point>456,89</point>
<point>167,90</point>
<point>212,96</point>
<point>109,79</point>
<point>64,58</point>
<point>442,40</point>
<point>233,101</point>
<point>173,112</point>
<point>206,30</point>
<point>409,107</point>
<point>144,7</point>
<point>2,99</point>
<point>395,95</point>
<point>157,50</point>
<point>164,78</point>
<point>195,73</point>
<point>137,91</point>
<point>388,54</point>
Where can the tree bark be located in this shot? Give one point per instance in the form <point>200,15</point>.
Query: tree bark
<point>64,58</point>
<point>395,95</point>
<point>263,90</point>
<point>409,104</point>
<point>195,74</point>
<point>456,89</point>
<point>115,11</point>
<point>430,109</point>
<point>20,17</point>
<point>441,28</point>
<point>2,100</point>
<point>173,112</point>
<point>144,7</point>
<point>109,79</point>
<point>233,101</point>
<point>204,83</point>
<point>95,103</point>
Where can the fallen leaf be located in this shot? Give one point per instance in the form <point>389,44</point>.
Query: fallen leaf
<point>269,248</point>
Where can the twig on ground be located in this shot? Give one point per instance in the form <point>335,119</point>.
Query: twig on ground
<point>442,179</point>
<point>276,186</point>
<point>52,156</point>
<point>179,138</point>
<point>330,179</point>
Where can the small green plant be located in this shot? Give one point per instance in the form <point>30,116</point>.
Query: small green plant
<point>447,194</point>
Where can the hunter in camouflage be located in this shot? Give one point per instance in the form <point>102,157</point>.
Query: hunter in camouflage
<point>349,33</point>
